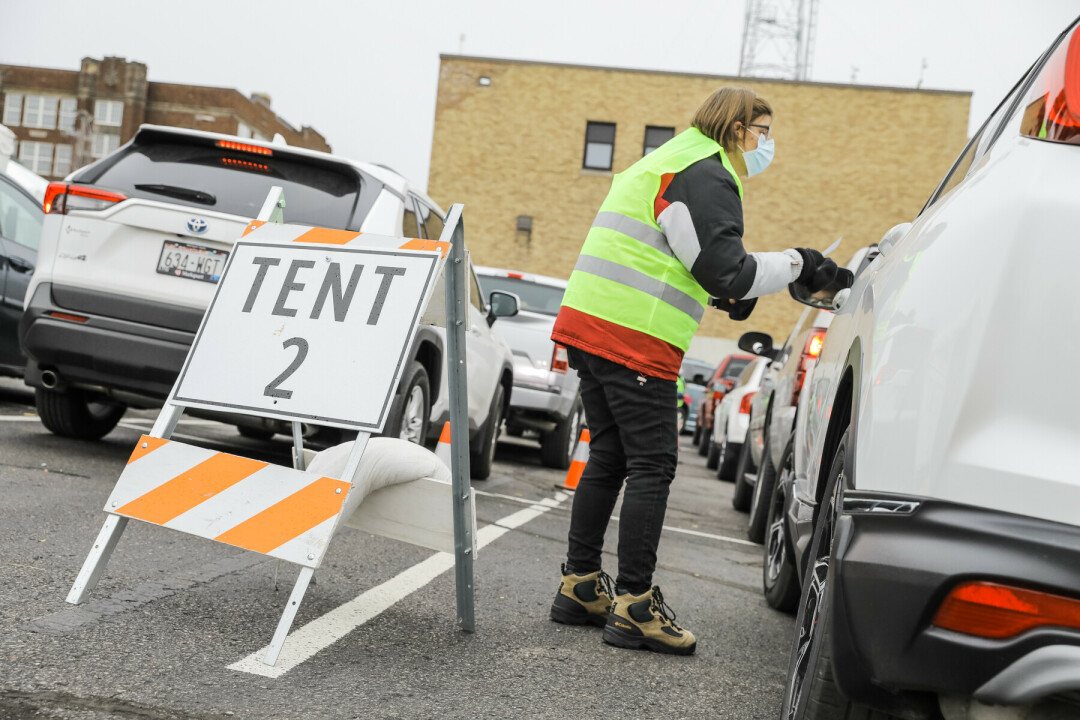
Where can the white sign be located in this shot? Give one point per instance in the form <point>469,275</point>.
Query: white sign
<point>308,333</point>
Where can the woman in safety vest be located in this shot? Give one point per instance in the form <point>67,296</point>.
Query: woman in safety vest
<point>666,243</point>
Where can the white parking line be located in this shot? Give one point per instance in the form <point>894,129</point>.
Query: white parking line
<point>19,418</point>
<point>324,631</point>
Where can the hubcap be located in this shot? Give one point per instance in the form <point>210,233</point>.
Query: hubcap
<point>776,541</point>
<point>412,422</point>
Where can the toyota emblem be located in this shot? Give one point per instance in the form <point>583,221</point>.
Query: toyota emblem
<point>196,225</point>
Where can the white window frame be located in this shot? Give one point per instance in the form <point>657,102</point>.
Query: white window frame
<point>102,144</point>
<point>39,111</point>
<point>62,160</point>
<point>103,113</point>
<point>36,156</point>
<point>13,109</point>
<point>69,110</point>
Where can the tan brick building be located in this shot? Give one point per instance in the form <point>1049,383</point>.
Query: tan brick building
<point>510,143</point>
<point>63,119</point>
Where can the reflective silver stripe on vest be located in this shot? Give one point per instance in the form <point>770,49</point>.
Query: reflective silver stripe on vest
<point>640,281</point>
<point>636,229</point>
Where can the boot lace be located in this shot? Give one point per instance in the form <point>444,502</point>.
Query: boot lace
<point>660,607</point>
<point>605,583</point>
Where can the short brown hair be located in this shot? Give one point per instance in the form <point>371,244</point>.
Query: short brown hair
<point>717,115</point>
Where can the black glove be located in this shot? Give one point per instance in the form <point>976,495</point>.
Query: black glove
<point>737,310</point>
<point>817,270</point>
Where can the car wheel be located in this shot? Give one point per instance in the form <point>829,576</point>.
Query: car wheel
<point>759,504</point>
<point>697,435</point>
<point>684,412</point>
<point>811,692</point>
<point>740,499</point>
<point>254,433</point>
<point>780,580</point>
<point>706,439</point>
<point>712,458</point>
<point>77,414</point>
<point>728,460</point>
<point>411,409</point>
<point>558,446</point>
<point>482,456</point>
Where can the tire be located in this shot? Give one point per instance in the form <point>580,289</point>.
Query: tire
<point>763,488</point>
<point>254,433</point>
<point>410,411</point>
<point>482,456</point>
<point>557,447</point>
<point>684,413</point>
<point>697,435</point>
<point>811,692</point>
<point>706,437</point>
<point>77,414</point>
<point>744,491</point>
<point>728,460</point>
<point>713,454</point>
<point>779,576</point>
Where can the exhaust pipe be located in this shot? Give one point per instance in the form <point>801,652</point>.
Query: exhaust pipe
<point>49,379</point>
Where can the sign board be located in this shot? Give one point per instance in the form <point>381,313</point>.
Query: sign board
<point>308,333</point>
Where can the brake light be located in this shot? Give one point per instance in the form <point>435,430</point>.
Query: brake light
<point>687,399</point>
<point>747,400</point>
<point>246,164</point>
<point>810,353</point>
<point>560,362</point>
<point>61,197</point>
<point>69,316</point>
<point>1053,109</point>
<point>814,347</point>
<point>999,611</point>
<point>244,147</point>
<point>516,276</point>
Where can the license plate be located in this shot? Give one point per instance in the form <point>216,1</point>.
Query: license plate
<point>191,261</point>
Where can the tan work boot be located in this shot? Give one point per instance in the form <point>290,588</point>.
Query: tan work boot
<point>582,599</point>
<point>645,621</point>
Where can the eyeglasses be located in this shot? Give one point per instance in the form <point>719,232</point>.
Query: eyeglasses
<point>764,130</point>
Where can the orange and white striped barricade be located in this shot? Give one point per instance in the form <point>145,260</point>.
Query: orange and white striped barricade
<point>577,464</point>
<point>280,339</point>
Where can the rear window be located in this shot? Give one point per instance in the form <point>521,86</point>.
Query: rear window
<point>534,297</point>
<point>734,367</point>
<point>231,181</point>
<point>693,368</point>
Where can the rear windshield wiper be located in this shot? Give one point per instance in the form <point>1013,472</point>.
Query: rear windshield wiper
<point>183,193</point>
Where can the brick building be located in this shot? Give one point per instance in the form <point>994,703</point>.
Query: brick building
<point>64,119</point>
<point>530,149</point>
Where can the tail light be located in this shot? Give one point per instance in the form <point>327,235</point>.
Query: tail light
<point>560,363</point>
<point>1053,107</point>
<point>61,197</point>
<point>244,147</point>
<point>687,399</point>
<point>999,611</point>
<point>810,354</point>
<point>747,400</point>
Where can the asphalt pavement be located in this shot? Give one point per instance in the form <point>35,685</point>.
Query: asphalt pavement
<point>174,625</point>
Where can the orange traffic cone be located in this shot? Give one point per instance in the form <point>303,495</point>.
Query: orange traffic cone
<point>577,465</point>
<point>442,450</point>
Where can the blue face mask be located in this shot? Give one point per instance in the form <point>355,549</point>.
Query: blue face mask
<point>759,158</point>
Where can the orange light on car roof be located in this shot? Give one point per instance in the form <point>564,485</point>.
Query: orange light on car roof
<point>992,610</point>
<point>244,147</point>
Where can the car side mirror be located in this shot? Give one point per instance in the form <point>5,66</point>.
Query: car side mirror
<point>893,236</point>
<point>828,298</point>
<point>699,379</point>
<point>502,304</point>
<point>758,343</point>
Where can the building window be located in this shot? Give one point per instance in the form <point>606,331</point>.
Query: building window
<point>599,145</point>
<point>69,112</point>
<point>108,113</point>
<point>62,160</point>
<point>13,109</point>
<point>655,137</point>
<point>103,144</point>
<point>39,112</point>
<point>242,130</point>
<point>37,156</point>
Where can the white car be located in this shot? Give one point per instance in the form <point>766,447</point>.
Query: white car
<point>546,397</point>
<point>731,420</point>
<point>938,518</point>
<point>130,254</point>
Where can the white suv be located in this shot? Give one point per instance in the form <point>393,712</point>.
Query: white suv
<point>938,519</point>
<point>131,250</point>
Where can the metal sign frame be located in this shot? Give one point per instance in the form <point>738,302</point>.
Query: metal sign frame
<point>456,299</point>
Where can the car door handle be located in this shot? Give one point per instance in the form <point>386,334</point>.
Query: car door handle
<point>20,265</point>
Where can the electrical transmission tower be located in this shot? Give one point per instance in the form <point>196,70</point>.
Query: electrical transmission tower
<point>778,39</point>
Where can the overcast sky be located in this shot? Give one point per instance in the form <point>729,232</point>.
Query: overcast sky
<point>365,73</point>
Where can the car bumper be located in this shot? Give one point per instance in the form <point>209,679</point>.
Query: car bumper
<point>101,352</point>
<point>894,565</point>
<point>530,405</point>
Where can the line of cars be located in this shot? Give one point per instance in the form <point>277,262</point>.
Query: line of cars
<point>920,513</point>
<point>131,248</point>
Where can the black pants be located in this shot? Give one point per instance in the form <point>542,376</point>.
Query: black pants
<point>633,436</point>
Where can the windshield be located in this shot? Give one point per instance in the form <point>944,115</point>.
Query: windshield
<point>734,367</point>
<point>692,368</point>
<point>237,183</point>
<point>534,296</point>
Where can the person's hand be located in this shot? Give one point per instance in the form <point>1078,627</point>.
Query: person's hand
<point>736,309</point>
<point>817,270</point>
